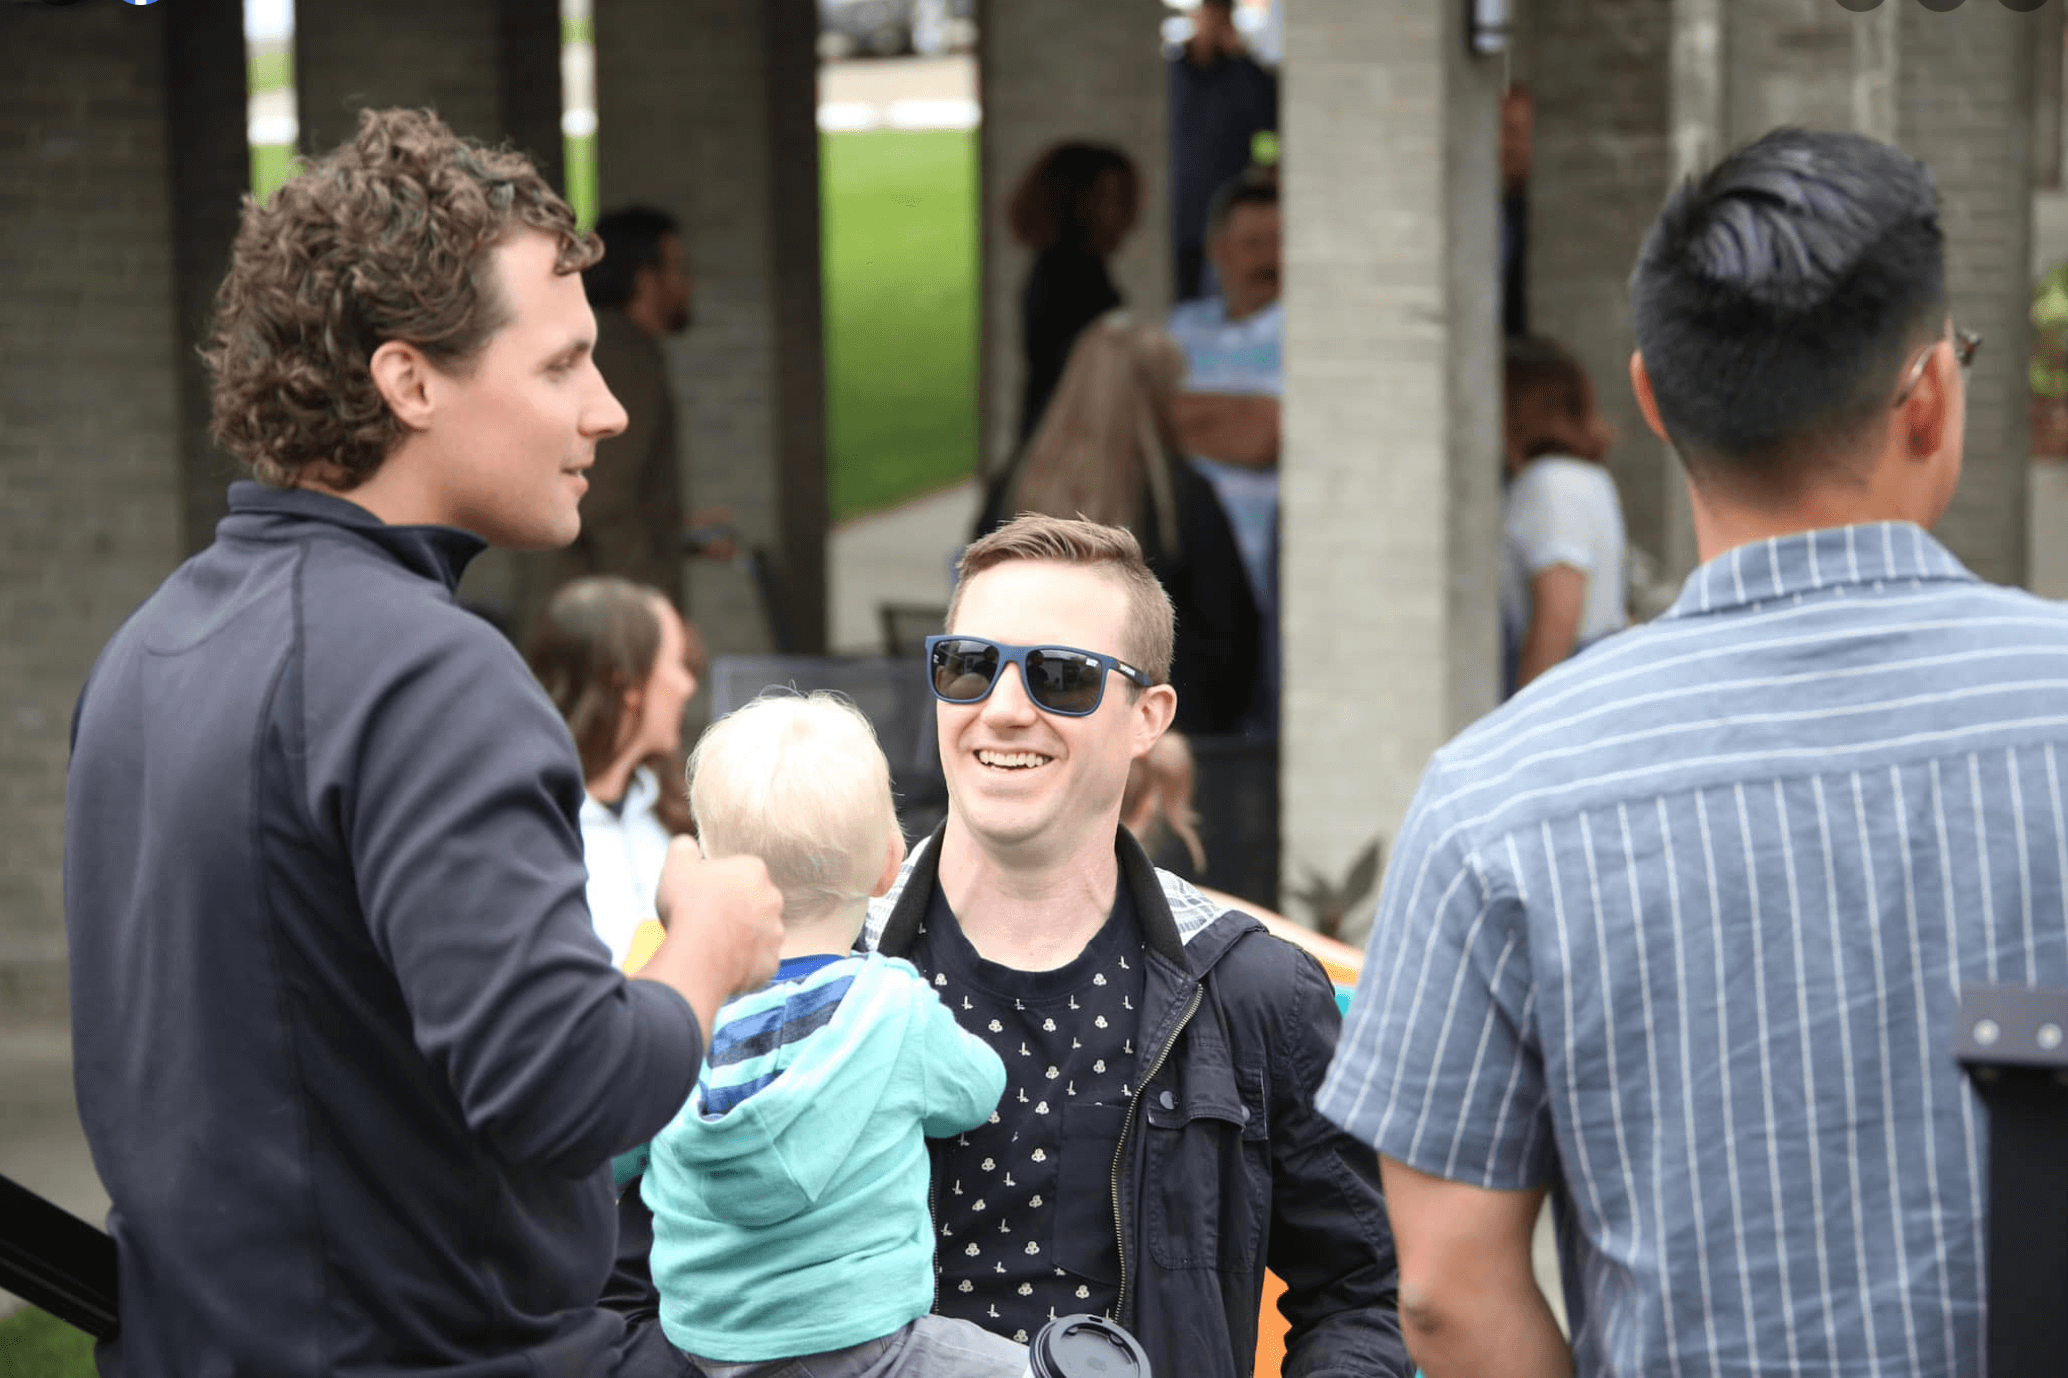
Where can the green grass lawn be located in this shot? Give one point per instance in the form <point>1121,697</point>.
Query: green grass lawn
<point>900,253</point>
<point>35,1344</point>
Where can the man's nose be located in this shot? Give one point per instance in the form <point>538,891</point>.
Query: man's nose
<point>1008,701</point>
<point>606,416</point>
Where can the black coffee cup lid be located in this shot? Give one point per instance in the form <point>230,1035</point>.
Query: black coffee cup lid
<point>1086,1347</point>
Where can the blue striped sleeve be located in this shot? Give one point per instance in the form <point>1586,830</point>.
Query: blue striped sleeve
<point>1438,1066</point>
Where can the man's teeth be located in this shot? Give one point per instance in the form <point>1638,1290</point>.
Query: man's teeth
<point>1012,760</point>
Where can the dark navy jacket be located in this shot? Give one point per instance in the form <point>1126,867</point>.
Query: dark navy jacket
<point>1225,1168</point>
<point>350,1059</point>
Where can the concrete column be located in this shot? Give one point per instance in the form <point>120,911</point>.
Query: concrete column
<point>2047,97</point>
<point>90,479</point>
<point>1965,100</point>
<point>353,54</point>
<point>1066,69</point>
<point>1700,113</point>
<point>211,170</point>
<point>706,109</point>
<point>1602,82</point>
<point>1390,515</point>
<point>490,68</point>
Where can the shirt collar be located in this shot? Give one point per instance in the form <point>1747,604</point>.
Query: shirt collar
<point>1838,556</point>
<point>434,552</point>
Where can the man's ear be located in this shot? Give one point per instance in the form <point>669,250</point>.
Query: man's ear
<point>1153,713</point>
<point>1641,384</point>
<point>893,862</point>
<point>1928,408</point>
<point>403,375</point>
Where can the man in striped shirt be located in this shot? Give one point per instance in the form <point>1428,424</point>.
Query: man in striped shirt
<point>1676,935</point>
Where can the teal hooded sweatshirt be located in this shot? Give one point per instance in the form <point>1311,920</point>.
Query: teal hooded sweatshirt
<point>797,1222</point>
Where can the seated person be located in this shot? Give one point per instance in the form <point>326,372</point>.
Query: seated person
<point>790,1196</point>
<point>1228,419</point>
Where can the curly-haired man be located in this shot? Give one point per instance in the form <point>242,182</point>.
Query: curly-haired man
<point>351,1060</point>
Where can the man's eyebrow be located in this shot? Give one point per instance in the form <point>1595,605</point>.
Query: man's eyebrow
<point>572,352</point>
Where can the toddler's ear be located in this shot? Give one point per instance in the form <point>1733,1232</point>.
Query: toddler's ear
<point>893,859</point>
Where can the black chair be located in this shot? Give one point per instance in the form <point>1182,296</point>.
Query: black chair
<point>907,625</point>
<point>52,1259</point>
<point>2013,1042</point>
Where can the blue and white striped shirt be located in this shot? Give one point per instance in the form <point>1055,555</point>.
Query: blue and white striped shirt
<point>1680,929</point>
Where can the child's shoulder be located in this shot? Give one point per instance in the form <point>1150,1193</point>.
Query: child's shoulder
<point>892,971</point>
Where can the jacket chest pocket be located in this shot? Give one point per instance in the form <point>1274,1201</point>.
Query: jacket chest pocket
<point>1207,1177</point>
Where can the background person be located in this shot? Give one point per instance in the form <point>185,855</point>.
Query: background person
<point>633,519</point>
<point>1564,585</point>
<point>1074,208</point>
<point>1228,417</point>
<point>1221,98</point>
<point>619,663</point>
<point>790,1195</point>
<point>351,1060</point>
<point>1105,451</point>
<point>1679,934</point>
<point>1160,1052</point>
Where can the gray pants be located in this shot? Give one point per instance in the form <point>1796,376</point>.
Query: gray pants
<point>930,1347</point>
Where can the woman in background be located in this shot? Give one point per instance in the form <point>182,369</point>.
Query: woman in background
<point>619,663</point>
<point>1105,451</point>
<point>1073,209</point>
<point>1563,580</point>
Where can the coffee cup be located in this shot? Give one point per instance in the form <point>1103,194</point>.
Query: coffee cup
<point>1085,1347</point>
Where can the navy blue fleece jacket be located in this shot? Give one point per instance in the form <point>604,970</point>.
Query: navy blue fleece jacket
<point>351,1060</point>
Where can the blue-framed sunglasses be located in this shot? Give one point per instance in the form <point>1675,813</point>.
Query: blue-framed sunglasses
<point>1060,679</point>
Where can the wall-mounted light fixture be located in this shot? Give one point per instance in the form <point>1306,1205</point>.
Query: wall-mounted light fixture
<point>1486,26</point>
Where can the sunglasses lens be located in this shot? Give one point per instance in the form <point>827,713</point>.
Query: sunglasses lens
<point>1062,682</point>
<point>963,670</point>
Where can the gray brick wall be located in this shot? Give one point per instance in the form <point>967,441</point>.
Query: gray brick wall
<point>90,491</point>
<point>351,54</point>
<point>703,109</point>
<point>1067,69</point>
<point>211,170</point>
<point>1390,512</point>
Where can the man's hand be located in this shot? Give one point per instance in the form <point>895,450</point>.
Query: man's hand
<point>725,929</point>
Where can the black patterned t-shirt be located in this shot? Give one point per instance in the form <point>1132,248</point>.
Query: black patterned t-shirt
<point>1024,1213</point>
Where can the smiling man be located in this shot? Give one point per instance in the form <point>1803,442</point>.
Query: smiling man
<point>1156,1147</point>
<point>350,1059</point>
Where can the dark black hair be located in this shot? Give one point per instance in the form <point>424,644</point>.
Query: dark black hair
<point>1253,187</point>
<point>1776,299</point>
<point>631,240</point>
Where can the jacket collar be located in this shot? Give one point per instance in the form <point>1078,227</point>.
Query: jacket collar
<point>259,512</point>
<point>1835,557</point>
<point>1172,913</point>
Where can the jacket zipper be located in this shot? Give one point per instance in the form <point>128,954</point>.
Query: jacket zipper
<point>933,1224</point>
<point>1120,1149</point>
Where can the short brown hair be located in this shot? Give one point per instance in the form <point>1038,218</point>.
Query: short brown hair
<point>1549,404</point>
<point>1113,550</point>
<point>387,238</point>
